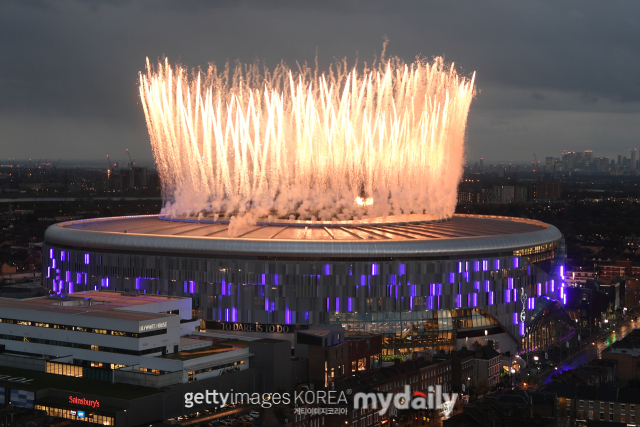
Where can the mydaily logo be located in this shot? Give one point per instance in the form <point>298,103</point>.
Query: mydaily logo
<point>418,400</point>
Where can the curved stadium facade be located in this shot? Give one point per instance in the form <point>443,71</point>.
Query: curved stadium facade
<point>421,284</point>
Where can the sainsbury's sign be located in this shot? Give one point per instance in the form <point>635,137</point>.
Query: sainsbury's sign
<point>153,326</point>
<point>84,402</point>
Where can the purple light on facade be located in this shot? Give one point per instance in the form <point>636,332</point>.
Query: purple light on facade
<point>264,279</point>
<point>192,287</point>
<point>276,278</point>
<point>539,289</point>
<point>460,267</point>
<point>306,316</point>
<point>410,304</point>
<point>107,280</point>
<point>401,269</point>
<point>327,269</point>
<point>53,263</point>
<point>466,266</point>
<point>452,277</point>
<point>466,276</point>
<point>363,281</point>
<point>487,286</point>
<point>510,283</point>
<point>55,286</point>
<point>515,318</point>
<point>552,285</point>
<point>328,305</point>
<point>51,253</point>
<point>476,286</point>
<point>226,314</point>
<point>337,305</point>
<point>85,278</point>
<point>350,270</point>
<point>475,300</point>
<point>458,300</point>
<point>515,262</point>
<point>137,283</point>
<point>266,304</point>
<point>86,259</point>
<point>78,278</point>
<point>522,329</point>
<point>485,265</point>
<point>564,299</point>
<point>67,276</point>
<point>507,296</point>
<point>95,288</point>
<point>562,271</point>
<point>491,298</point>
<point>350,305</point>
<point>374,269</point>
<point>287,316</point>
<point>63,256</point>
<point>496,264</point>
<point>70,287</point>
<point>429,303</point>
<point>48,272</point>
<point>224,287</point>
<point>476,266</point>
<point>234,315</point>
<point>185,287</point>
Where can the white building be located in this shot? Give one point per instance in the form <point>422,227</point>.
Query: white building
<point>129,338</point>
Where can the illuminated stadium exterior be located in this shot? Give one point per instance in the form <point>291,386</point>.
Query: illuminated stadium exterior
<point>422,284</point>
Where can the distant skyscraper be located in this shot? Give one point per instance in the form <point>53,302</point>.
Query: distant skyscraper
<point>481,161</point>
<point>634,158</point>
<point>619,159</point>
<point>548,167</point>
<point>588,156</point>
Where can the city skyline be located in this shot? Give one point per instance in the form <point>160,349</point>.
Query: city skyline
<point>562,81</point>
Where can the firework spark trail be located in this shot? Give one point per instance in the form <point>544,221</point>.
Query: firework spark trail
<point>282,143</point>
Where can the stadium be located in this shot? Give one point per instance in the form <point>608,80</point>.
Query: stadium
<point>422,284</point>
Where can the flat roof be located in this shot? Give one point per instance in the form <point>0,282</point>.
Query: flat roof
<point>41,380</point>
<point>102,304</point>
<point>410,235</point>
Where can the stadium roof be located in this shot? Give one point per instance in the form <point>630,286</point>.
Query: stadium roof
<point>403,237</point>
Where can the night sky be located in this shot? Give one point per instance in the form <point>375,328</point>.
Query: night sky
<point>551,76</point>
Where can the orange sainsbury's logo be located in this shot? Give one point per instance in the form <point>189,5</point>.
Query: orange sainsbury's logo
<point>84,402</point>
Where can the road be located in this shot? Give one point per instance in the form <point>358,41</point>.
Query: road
<point>589,352</point>
<point>198,420</point>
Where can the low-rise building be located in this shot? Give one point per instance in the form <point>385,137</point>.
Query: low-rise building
<point>606,403</point>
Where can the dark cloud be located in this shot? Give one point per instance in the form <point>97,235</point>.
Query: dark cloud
<point>77,62</point>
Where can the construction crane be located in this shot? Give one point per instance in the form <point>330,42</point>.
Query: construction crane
<point>55,167</point>
<point>131,162</point>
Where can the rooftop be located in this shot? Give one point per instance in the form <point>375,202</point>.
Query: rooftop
<point>394,234</point>
<point>104,304</point>
<point>41,380</point>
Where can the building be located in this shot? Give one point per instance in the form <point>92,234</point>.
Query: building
<point>544,191</point>
<point>515,408</point>
<point>627,353</point>
<point>606,403</point>
<point>327,354</point>
<point>124,359</point>
<point>588,157</point>
<point>421,284</point>
<point>487,366</point>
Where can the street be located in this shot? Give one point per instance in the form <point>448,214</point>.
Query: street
<point>588,353</point>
